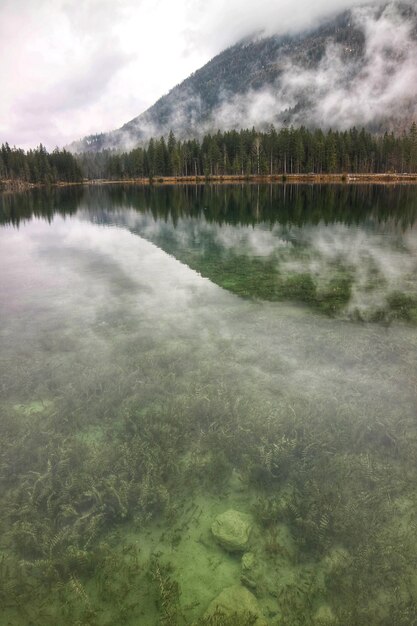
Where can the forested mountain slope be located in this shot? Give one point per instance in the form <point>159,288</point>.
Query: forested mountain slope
<point>358,68</point>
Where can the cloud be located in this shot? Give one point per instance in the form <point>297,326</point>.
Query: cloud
<point>217,25</point>
<point>52,74</point>
<point>80,91</point>
<point>254,108</point>
<point>342,90</point>
<point>70,68</point>
<point>339,92</point>
<point>347,95</point>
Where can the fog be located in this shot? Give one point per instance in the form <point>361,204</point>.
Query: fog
<point>70,70</point>
<point>339,93</point>
<point>376,88</point>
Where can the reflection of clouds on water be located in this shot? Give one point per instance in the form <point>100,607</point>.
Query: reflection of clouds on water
<point>110,274</point>
<point>378,262</point>
<point>122,290</point>
<point>117,291</point>
<point>123,265</point>
<point>378,259</point>
<point>258,241</point>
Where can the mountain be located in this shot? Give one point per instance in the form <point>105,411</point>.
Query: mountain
<point>356,68</point>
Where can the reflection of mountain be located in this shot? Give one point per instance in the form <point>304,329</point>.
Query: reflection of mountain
<point>343,250</point>
<point>340,250</point>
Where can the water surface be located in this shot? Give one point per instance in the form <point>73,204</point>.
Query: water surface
<point>167,354</point>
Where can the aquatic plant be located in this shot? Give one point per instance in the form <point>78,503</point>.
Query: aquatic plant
<point>126,443</point>
<point>220,619</point>
<point>168,593</point>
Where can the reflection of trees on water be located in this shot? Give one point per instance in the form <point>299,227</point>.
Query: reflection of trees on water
<point>232,204</point>
<point>339,249</point>
<point>42,203</point>
<point>284,204</point>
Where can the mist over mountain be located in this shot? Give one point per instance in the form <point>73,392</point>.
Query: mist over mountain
<point>358,68</point>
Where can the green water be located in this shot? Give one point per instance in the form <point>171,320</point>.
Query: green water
<point>168,354</point>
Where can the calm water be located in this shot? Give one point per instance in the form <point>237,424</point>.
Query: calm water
<point>169,354</point>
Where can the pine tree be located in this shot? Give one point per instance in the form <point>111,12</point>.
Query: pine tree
<point>412,161</point>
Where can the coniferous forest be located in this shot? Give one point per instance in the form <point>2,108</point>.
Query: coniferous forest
<point>38,166</point>
<point>249,152</point>
<point>229,153</point>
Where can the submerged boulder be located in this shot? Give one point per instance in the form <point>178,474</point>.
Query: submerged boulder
<point>336,560</point>
<point>231,530</point>
<point>324,616</point>
<point>237,602</point>
<point>248,561</point>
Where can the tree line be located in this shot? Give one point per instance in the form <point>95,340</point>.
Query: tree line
<point>249,152</point>
<point>242,153</point>
<point>38,165</point>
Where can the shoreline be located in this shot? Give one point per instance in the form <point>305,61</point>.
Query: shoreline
<point>341,178</point>
<point>314,179</point>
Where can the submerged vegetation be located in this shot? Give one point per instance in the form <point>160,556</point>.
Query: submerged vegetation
<point>139,402</point>
<point>334,508</point>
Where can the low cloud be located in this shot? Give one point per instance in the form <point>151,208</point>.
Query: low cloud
<point>70,69</point>
<point>339,92</point>
<point>346,95</point>
<point>218,25</point>
<point>376,88</point>
<point>255,108</point>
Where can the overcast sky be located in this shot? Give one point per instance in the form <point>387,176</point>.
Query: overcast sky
<point>69,68</point>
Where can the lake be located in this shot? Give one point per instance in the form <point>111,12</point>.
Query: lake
<point>208,406</point>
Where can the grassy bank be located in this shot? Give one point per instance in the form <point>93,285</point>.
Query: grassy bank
<point>358,179</point>
<point>286,178</point>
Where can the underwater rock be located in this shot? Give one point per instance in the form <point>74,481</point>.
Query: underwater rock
<point>236,601</point>
<point>248,565</point>
<point>248,561</point>
<point>236,483</point>
<point>324,616</point>
<point>248,582</point>
<point>336,560</point>
<point>34,408</point>
<point>231,530</point>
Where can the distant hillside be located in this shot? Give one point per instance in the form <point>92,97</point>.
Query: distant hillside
<point>358,68</point>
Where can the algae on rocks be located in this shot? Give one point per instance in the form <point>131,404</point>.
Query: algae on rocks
<point>231,530</point>
<point>235,602</point>
<point>248,561</point>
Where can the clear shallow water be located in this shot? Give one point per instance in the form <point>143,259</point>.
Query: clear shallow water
<point>169,354</point>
